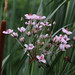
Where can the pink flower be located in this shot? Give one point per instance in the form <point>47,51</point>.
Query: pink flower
<point>54,22</point>
<point>44,36</point>
<point>27,23</point>
<point>42,23</point>
<point>62,47</point>
<point>36,26</point>
<point>40,27</point>
<point>56,39</point>
<point>28,33</point>
<point>61,39</point>
<point>66,38</point>
<point>21,18</point>
<point>9,31</point>
<point>41,58</point>
<point>73,38</point>
<point>38,41</point>
<point>29,47</point>
<point>30,23</point>
<point>22,39</point>
<point>49,25</point>
<point>14,34</point>
<point>22,29</point>
<point>66,31</point>
<point>41,17</point>
<point>45,24</point>
<point>67,46</point>
<point>30,16</point>
<point>33,16</point>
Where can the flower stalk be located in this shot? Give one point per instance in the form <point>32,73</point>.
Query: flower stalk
<point>5,8</point>
<point>32,68</point>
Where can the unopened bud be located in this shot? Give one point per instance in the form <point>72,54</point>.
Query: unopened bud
<point>73,38</point>
<point>42,43</point>
<point>21,18</point>
<point>48,29</point>
<point>54,22</point>
<point>22,39</point>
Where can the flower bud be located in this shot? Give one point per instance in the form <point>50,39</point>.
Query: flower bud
<point>34,31</point>
<point>73,38</point>
<point>42,43</point>
<point>22,39</point>
<point>54,22</point>
<point>21,18</point>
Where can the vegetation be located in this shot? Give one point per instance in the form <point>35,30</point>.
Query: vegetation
<point>15,62</point>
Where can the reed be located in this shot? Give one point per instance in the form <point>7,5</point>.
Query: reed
<point>2,39</point>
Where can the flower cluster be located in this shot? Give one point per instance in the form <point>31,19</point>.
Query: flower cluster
<point>35,34</point>
<point>34,17</point>
<point>63,40</point>
<point>29,47</point>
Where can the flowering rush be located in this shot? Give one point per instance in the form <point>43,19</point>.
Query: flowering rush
<point>35,34</point>
<point>41,58</point>
<point>9,31</point>
<point>22,29</point>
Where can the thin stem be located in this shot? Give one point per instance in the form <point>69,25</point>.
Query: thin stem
<point>5,8</point>
<point>32,68</point>
<point>19,43</point>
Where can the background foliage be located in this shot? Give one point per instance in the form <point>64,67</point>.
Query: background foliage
<point>15,61</point>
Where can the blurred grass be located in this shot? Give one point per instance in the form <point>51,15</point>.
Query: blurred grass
<point>62,11</point>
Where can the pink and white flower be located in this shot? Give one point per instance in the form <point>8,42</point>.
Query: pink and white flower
<point>28,33</point>
<point>54,22</point>
<point>45,24</point>
<point>61,39</point>
<point>36,26</point>
<point>9,31</point>
<point>41,23</point>
<point>30,23</point>
<point>41,58</point>
<point>29,47</point>
<point>22,39</point>
<point>41,17</point>
<point>66,38</point>
<point>14,34</point>
<point>33,16</point>
<point>44,36</point>
<point>67,46</point>
<point>40,27</point>
<point>22,29</point>
<point>64,46</point>
<point>27,23</point>
<point>66,31</point>
<point>49,25</point>
<point>56,39</point>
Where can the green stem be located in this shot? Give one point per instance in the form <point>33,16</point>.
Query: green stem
<point>30,26</point>
<point>32,68</point>
<point>19,43</point>
<point>4,15</point>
